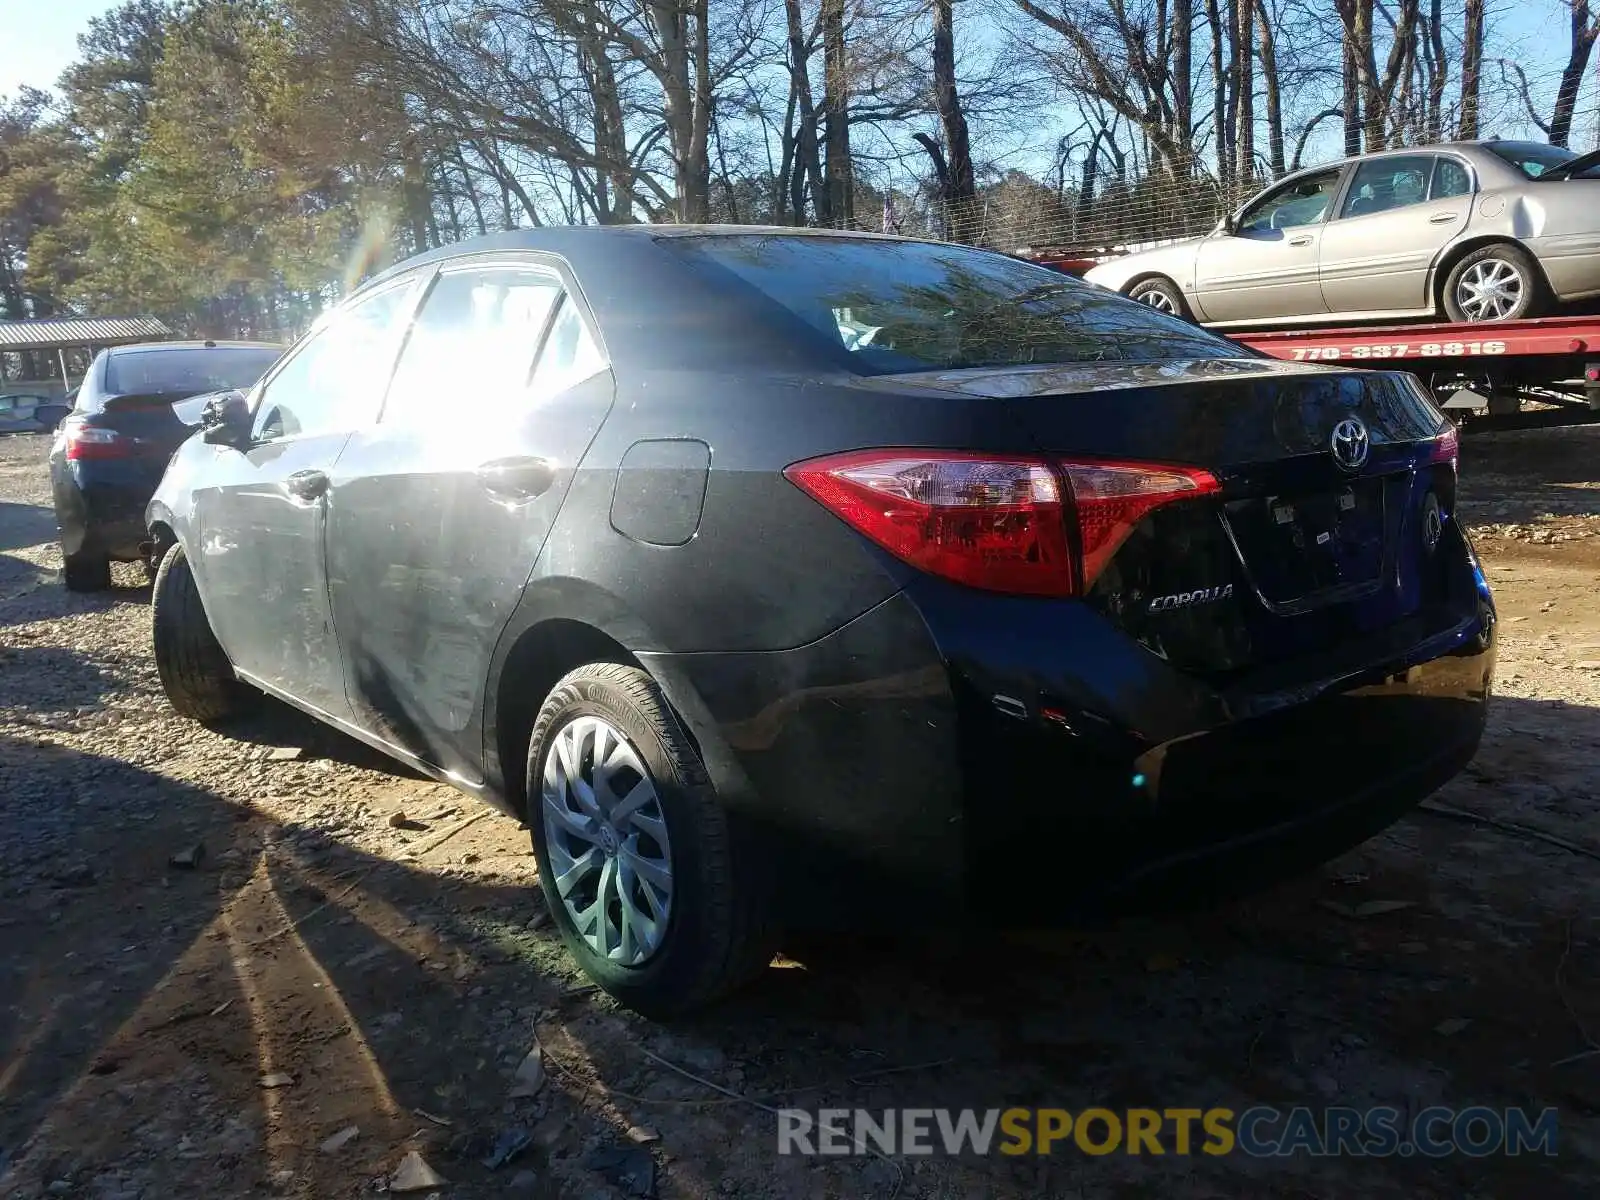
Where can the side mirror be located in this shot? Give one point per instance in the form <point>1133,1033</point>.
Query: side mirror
<point>1228,226</point>
<point>225,420</point>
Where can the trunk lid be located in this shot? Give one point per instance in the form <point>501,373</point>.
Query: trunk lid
<point>1331,519</point>
<point>156,423</point>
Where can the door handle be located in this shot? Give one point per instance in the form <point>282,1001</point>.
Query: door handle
<point>1303,240</point>
<point>307,485</point>
<point>1443,218</point>
<point>519,478</point>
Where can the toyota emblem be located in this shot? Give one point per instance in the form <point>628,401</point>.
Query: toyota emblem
<point>1350,444</point>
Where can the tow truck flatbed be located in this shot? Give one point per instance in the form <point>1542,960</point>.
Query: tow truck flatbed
<point>1523,374</point>
<point>1485,374</point>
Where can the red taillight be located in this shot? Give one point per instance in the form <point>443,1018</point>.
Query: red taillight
<point>1446,447</point>
<point>1112,498</point>
<point>999,523</point>
<point>86,441</point>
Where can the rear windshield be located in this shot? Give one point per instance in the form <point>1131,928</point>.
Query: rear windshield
<point>1533,159</point>
<point>187,370</point>
<point>915,306</point>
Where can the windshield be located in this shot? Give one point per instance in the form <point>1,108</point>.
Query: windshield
<point>1533,159</point>
<point>187,370</point>
<point>914,306</point>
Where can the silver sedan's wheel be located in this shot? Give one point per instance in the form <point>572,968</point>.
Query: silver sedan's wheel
<point>1158,299</point>
<point>1160,294</point>
<point>1497,282</point>
<point>1491,289</point>
<point>607,837</point>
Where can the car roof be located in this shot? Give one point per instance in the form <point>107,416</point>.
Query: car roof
<point>1430,148</point>
<point>143,347</point>
<point>578,241</point>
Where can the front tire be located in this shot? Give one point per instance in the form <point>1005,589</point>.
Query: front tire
<point>195,672</point>
<point>1161,294</point>
<point>646,876</point>
<point>86,572</point>
<point>1499,282</point>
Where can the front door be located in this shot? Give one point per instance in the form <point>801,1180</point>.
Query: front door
<point>1266,267</point>
<point>260,523</point>
<point>1399,212</point>
<point>438,511</point>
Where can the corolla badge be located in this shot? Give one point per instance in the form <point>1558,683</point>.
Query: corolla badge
<point>1184,599</point>
<point>1350,444</point>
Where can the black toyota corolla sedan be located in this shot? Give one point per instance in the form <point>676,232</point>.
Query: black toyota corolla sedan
<point>780,577</point>
<point>110,450</point>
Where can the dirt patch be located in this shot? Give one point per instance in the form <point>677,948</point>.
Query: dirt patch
<point>391,976</point>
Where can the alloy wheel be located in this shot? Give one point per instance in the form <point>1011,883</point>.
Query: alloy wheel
<point>1490,290</point>
<point>1157,299</point>
<point>607,839</point>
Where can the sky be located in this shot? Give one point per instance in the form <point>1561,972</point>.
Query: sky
<point>38,40</point>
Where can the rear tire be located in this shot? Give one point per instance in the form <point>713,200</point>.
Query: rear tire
<point>1499,282</point>
<point>706,932</point>
<point>86,572</point>
<point>1161,294</point>
<point>195,673</point>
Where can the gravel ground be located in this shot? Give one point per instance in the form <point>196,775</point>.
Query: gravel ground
<point>215,1030</point>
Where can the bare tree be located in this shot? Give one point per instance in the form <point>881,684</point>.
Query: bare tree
<point>1241,31</point>
<point>839,169</point>
<point>953,166</point>
<point>1471,68</point>
<point>1271,89</point>
<point>1583,29</point>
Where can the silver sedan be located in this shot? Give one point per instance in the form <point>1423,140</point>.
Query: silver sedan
<point>1468,231</point>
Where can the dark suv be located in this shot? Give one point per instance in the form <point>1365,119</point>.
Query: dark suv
<point>780,577</point>
<point>110,450</point>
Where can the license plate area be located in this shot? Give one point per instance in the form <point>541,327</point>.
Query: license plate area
<point>1297,547</point>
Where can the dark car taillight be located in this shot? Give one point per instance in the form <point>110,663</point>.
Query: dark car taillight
<point>1022,525</point>
<point>89,442</point>
<point>1445,448</point>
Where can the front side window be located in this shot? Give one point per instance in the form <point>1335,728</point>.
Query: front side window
<point>910,306</point>
<point>1305,201</point>
<point>473,343</point>
<point>1383,184</point>
<point>334,379</point>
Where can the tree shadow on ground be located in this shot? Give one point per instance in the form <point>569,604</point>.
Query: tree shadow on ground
<point>146,1002</point>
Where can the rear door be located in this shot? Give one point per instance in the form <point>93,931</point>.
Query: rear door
<point>260,519</point>
<point>1267,266</point>
<point>1398,213</point>
<point>438,511</point>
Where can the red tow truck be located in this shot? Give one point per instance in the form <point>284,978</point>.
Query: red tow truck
<point>1496,375</point>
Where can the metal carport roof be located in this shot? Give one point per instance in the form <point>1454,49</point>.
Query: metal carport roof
<point>64,333</point>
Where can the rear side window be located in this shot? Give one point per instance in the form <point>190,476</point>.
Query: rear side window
<point>473,342</point>
<point>333,380</point>
<point>569,355</point>
<point>1450,178</point>
<point>912,306</point>
<point>187,370</point>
